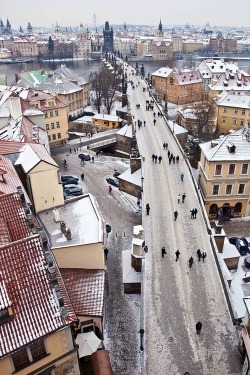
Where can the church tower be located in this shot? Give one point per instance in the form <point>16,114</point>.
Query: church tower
<point>108,38</point>
<point>160,32</point>
<point>29,29</point>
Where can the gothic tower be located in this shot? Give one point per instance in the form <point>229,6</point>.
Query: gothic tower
<point>108,38</point>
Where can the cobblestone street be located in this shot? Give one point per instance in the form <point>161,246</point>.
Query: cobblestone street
<point>121,336</point>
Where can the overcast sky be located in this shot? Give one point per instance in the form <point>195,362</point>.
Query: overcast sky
<point>171,12</point>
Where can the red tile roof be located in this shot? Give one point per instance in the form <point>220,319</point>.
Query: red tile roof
<point>86,290</point>
<point>12,213</point>
<point>35,306</point>
<point>11,178</point>
<point>10,147</point>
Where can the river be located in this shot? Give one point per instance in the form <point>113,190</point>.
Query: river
<point>84,67</point>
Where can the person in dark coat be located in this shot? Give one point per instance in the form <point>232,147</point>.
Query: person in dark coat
<point>156,157</point>
<point>106,251</point>
<point>183,197</point>
<point>177,253</point>
<point>192,213</point>
<point>191,261</point>
<point>147,208</point>
<point>204,254</point>
<point>195,213</point>
<point>179,198</point>
<point>199,254</point>
<point>174,159</point>
<point>160,159</point>
<point>198,327</point>
<point>168,154</point>
<point>163,251</point>
<point>164,146</point>
<point>175,215</point>
<point>82,176</point>
<point>154,121</point>
<point>177,159</point>
<point>153,157</point>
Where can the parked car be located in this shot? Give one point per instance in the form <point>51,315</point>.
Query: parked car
<point>72,190</point>
<point>116,174</point>
<point>68,179</point>
<point>247,261</point>
<point>112,181</point>
<point>241,246</point>
<point>84,157</point>
<point>232,240</point>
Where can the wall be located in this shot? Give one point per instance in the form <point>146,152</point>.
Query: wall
<point>46,190</point>
<point>56,345</point>
<point>89,256</point>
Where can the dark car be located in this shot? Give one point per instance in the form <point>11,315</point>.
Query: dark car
<point>84,157</point>
<point>247,242</point>
<point>116,174</point>
<point>72,190</point>
<point>241,246</point>
<point>232,240</point>
<point>247,261</point>
<point>112,181</point>
<point>68,179</point>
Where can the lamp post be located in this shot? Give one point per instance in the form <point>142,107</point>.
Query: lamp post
<point>142,179</point>
<point>141,337</point>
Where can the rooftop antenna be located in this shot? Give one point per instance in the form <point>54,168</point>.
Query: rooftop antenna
<point>94,18</point>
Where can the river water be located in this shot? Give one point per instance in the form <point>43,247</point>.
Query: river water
<point>84,67</point>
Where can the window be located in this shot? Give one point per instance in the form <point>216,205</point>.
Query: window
<point>54,137</point>
<point>49,138</point>
<point>213,209</point>
<point>47,126</point>
<point>57,124</point>
<point>218,169</point>
<point>52,125</point>
<point>235,110</point>
<point>56,113</point>
<point>242,122</point>
<point>225,110</point>
<point>231,169</point>
<point>59,135</point>
<point>46,115</point>
<point>241,188</point>
<point>243,112</point>
<point>244,169</point>
<point>234,121</point>
<point>215,189</point>
<point>238,207</point>
<point>20,359</point>
<point>51,114</point>
<point>37,350</point>
<point>229,189</point>
<point>223,120</point>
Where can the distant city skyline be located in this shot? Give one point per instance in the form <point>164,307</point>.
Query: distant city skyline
<point>72,13</point>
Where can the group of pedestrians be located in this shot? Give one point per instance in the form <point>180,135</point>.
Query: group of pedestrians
<point>155,158</point>
<point>194,212</point>
<point>181,198</point>
<point>199,255</point>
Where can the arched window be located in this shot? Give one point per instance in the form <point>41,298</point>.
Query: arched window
<point>213,209</point>
<point>238,207</point>
<point>171,81</point>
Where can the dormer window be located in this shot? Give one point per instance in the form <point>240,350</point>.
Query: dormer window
<point>2,173</point>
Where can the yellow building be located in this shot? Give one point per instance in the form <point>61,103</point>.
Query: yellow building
<point>190,46</point>
<point>107,121</point>
<point>233,111</point>
<point>36,315</point>
<point>224,175</point>
<point>179,87</point>
<point>39,174</point>
<point>55,114</point>
<point>25,48</point>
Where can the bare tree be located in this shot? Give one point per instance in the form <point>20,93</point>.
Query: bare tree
<point>105,84</point>
<point>205,117</point>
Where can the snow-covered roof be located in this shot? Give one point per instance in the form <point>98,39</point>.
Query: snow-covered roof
<point>236,99</point>
<point>114,118</point>
<point>134,178</point>
<point>126,130</point>
<point>162,72</point>
<point>220,152</point>
<point>176,128</point>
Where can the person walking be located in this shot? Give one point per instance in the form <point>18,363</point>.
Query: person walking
<point>183,197</point>
<point>175,215</point>
<point>164,146</point>
<point>191,261</point>
<point>156,157</point>
<point>198,327</point>
<point>182,176</point>
<point>179,198</point>
<point>82,176</point>
<point>199,255</point>
<point>106,251</point>
<point>147,208</point>
<point>154,121</point>
<point>163,251</point>
<point>177,253</point>
<point>110,189</point>
<point>204,254</point>
<point>177,159</point>
<point>195,213</point>
<point>160,159</point>
<point>70,151</point>
<point>192,213</point>
<point>173,159</point>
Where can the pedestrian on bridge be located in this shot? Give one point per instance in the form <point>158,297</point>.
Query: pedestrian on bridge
<point>204,254</point>
<point>164,145</point>
<point>177,159</point>
<point>154,121</point>
<point>183,197</point>
<point>198,327</point>
<point>163,251</point>
<point>147,208</point>
<point>175,215</point>
<point>179,198</point>
<point>177,253</point>
<point>160,159</point>
<point>199,255</point>
<point>191,261</point>
<point>156,157</point>
<point>192,213</point>
<point>195,213</point>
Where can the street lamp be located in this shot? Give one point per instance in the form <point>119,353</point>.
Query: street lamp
<point>141,337</point>
<point>142,179</point>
